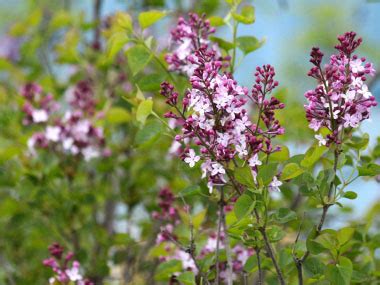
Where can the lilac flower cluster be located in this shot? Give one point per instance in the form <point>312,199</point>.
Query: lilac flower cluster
<point>188,37</point>
<point>66,270</point>
<point>73,133</point>
<point>169,215</point>
<point>38,107</point>
<point>342,99</point>
<point>214,114</point>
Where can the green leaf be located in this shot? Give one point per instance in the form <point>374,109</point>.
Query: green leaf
<point>243,206</point>
<point>67,51</point>
<point>314,266</point>
<point>158,250</point>
<point>187,278</point>
<point>350,195</point>
<point>248,44</point>
<point>340,273</point>
<point>191,191</point>
<point>328,240</point>
<point>313,246</point>
<point>117,115</point>
<point>312,156</point>
<point>359,143</point>
<point>151,82</point>
<point>149,133</point>
<point>251,264</point>
<point>226,45</point>
<point>244,176</point>
<point>165,270</point>
<point>370,169</point>
<point>198,219</point>
<point>144,110</point>
<point>281,155</point>
<point>216,21</point>
<point>247,15</point>
<point>284,215</point>
<point>60,19</point>
<point>344,235</point>
<point>148,18</point>
<point>115,43</point>
<point>267,172</point>
<point>275,234</point>
<point>291,170</point>
<point>124,21</point>
<point>138,57</point>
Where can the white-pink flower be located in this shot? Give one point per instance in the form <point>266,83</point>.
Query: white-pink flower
<point>192,158</point>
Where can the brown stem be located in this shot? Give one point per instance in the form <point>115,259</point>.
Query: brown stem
<point>260,280</point>
<point>299,261</point>
<point>228,250</point>
<point>221,208</point>
<point>299,272</point>
<point>272,257</point>
<point>97,9</point>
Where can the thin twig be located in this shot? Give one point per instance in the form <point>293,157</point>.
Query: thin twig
<point>271,255</point>
<point>299,261</point>
<point>260,280</point>
<point>97,21</point>
<point>221,205</point>
<point>191,249</point>
<point>227,248</point>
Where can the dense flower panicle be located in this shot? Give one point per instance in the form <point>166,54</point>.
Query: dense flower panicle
<point>66,270</point>
<point>342,99</point>
<point>213,113</point>
<point>261,90</point>
<point>73,133</point>
<point>188,37</point>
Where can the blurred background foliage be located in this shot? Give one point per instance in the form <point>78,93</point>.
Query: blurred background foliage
<point>101,210</point>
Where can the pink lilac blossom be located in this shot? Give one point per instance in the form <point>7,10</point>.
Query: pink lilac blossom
<point>341,99</point>
<point>73,133</point>
<point>216,128</point>
<point>66,270</point>
<point>38,106</point>
<point>188,37</point>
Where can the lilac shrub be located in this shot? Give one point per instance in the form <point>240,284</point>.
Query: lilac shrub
<point>230,133</point>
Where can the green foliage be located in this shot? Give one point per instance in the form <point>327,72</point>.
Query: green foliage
<point>244,176</point>
<point>246,16</point>
<point>339,273</point>
<point>165,270</point>
<point>144,110</point>
<point>138,57</point>
<point>291,170</point>
<point>248,44</point>
<point>146,19</point>
<point>370,169</point>
<point>243,206</point>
